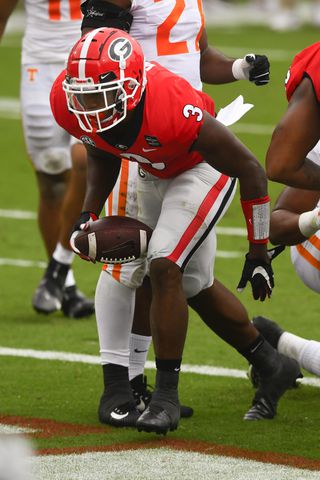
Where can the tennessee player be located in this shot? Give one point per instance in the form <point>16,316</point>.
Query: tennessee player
<point>294,159</point>
<point>112,96</point>
<point>54,155</point>
<point>173,34</point>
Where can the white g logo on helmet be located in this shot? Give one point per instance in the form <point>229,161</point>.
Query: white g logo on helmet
<point>120,48</point>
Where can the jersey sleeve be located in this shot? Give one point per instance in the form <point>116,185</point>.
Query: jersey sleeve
<point>305,64</point>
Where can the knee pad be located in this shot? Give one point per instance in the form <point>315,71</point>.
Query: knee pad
<point>53,160</point>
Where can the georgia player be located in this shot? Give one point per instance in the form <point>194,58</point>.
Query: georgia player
<point>111,97</point>
<point>54,155</point>
<point>294,159</point>
<point>173,34</point>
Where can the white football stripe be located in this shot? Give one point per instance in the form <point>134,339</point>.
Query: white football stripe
<point>92,244</point>
<point>143,242</point>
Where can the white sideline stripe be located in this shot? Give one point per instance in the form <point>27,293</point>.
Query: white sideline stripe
<point>12,429</point>
<point>19,262</point>
<point>28,215</point>
<point>95,360</point>
<point>12,262</point>
<point>18,214</point>
<point>161,463</point>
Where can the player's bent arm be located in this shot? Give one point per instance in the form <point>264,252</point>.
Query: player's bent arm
<point>294,211</point>
<point>6,8</point>
<point>295,135</point>
<point>224,151</point>
<point>103,171</point>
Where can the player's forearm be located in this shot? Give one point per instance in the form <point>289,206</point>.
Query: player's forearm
<point>284,228</point>
<point>101,178</point>
<point>215,68</point>
<point>302,173</point>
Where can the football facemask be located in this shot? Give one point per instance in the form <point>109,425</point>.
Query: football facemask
<point>105,78</point>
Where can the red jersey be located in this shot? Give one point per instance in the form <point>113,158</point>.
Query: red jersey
<point>305,64</point>
<point>171,120</point>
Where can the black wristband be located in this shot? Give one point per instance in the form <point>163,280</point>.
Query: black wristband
<point>97,13</point>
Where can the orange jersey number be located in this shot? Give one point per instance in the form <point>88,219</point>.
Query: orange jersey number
<point>164,45</point>
<point>54,10</point>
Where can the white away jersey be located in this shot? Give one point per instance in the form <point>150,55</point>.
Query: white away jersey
<point>169,32</point>
<point>52,27</point>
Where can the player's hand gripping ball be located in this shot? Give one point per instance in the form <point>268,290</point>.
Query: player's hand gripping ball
<point>114,239</point>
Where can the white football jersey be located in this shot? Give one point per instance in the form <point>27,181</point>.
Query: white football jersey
<point>169,32</point>
<point>52,27</point>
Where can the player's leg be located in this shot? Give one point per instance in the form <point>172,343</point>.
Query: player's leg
<point>192,203</point>
<point>74,303</point>
<point>48,148</point>
<point>304,257</point>
<point>115,304</point>
<point>225,314</point>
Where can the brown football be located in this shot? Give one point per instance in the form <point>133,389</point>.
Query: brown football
<point>114,239</point>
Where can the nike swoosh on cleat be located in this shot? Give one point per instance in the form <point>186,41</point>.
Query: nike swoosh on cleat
<point>149,149</point>
<point>118,416</point>
<point>140,351</point>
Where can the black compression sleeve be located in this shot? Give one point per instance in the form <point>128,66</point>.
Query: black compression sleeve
<point>98,13</point>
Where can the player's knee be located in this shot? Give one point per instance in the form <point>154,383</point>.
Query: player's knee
<point>52,160</point>
<point>52,187</point>
<point>165,274</point>
<point>79,159</point>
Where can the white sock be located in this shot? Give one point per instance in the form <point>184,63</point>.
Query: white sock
<point>63,255</point>
<point>114,305</point>
<point>139,347</point>
<point>306,352</point>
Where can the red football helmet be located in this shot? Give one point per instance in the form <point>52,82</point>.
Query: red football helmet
<point>105,78</point>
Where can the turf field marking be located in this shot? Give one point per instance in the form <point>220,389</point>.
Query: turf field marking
<point>15,262</point>
<point>95,360</point>
<point>13,429</point>
<point>29,215</point>
<point>165,463</point>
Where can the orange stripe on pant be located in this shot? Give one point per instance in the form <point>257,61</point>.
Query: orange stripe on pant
<point>308,257</point>
<point>122,200</point>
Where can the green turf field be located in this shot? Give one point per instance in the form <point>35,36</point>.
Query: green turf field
<point>69,392</point>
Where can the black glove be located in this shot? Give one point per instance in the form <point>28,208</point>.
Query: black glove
<point>259,274</point>
<point>259,72</point>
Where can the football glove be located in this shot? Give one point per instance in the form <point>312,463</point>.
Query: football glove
<point>260,275</point>
<point>255,68</point>
<point>82,224</point>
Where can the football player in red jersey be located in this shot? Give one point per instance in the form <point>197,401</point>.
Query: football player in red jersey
<point>173,34</point>
<point>294,159</point>
<point>111,98</point>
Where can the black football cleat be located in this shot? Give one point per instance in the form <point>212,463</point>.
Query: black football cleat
<point>75,304</point>
<point>143,395</point>
<point>272,387</point>
<point>124,415</point>
<point>270,330</point>
<point>159,418</point>
<point>163,411</point>
<point>48,296</point>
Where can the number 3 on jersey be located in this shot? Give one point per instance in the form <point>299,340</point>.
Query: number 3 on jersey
<point>164,45</point>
